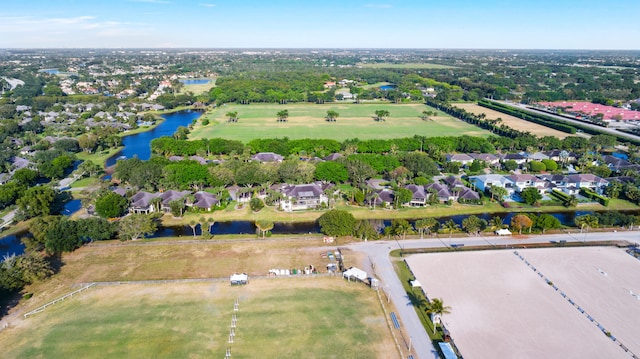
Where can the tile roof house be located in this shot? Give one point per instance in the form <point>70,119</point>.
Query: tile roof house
<point>587,180</point>
<point>484,182</point>
<point>440,190</point>
<point>488,158</point>
<point>333,157</point>
<point>518,158</point>
<point>522,181</point>
<point>461,158</point>
<point>171,195</point>
<point>381,198</point>
<point>303,196</point>
<point>205,200</point>
<point>418,197</point>
<point>267,157</point>
<point>142,202</point>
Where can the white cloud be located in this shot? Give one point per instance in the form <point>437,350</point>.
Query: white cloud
<point>208,5</point>
<point>379,6</point>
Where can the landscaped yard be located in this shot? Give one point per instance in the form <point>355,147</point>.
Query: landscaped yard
<point>308,121</point>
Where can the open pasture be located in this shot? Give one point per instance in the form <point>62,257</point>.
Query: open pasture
<point>308,121</point>
<point>198,88</point>
<point>511,121</point>
<point>502,308</point>
<point>277,318</point>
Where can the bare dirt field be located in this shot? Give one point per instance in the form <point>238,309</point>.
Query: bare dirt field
<point>502,308</point>
<point>511,121</point>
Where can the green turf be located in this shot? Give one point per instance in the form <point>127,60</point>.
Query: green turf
<point>308,121</point>
<point>280,320</point>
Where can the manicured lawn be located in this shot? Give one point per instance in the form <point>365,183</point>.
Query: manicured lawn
<point>308,121</point>
<point>287,318</point>
<point>85,182</point>
<point>98,157</point>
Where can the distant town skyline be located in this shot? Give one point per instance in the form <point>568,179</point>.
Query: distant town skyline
<point>491,24</point>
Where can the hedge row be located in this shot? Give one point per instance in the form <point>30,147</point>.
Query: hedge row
<point>592,195</point>
<point>560,195</point>
<point>539,119</point>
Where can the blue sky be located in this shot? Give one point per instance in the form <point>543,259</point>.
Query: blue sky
<point>516,24</point>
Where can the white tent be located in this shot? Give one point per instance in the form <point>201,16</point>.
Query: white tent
<point>241,278</point>
<point>355,273</point>
<point>415,283</point>
<point>503,232</point>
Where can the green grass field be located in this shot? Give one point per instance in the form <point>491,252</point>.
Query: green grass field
<point>199,89</point>
<point>281,318</point>
<point>308,121</point>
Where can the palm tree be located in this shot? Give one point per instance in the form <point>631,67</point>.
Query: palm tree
<point>450,226</point>
<point>572,201</point>
<point>436,309</point>
<point>425,225</point>
<point>264,226</point>
<point>496,223</point>
<point>193,224</point>
<point>210,223</point>
<point>587,220</point>
<point>472,224</point>
<point>401,227</point>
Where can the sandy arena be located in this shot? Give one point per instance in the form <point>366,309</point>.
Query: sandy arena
<point>502,308</point>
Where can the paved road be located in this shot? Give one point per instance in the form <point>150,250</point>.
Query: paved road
<point>378,253</point>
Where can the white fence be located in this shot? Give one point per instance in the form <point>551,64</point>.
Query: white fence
<point>42,308</point>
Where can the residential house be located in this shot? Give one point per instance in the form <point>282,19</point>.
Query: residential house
<point>587,180</point>
<point>522,181</point>
<point>267,157</point>
<point>461,158</point>
<point>381,198</point>
<point>418,195</point>
<point>205,200</point>
<point>562,156</point>
<point>488,158</point>
<point>170,196</point>
<point>142,202</point>
<point>536,156</point>
<point>518,158</point>
<point>440,190</point>
<point>303,196</point>
<point>332,157</point>
<point>485,182</point>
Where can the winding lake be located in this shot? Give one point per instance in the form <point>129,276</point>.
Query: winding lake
<point>139,145</point>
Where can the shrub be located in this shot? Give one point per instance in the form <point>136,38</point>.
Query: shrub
<point>256,204</point>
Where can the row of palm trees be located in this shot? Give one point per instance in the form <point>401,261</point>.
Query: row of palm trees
<point>472,224</point>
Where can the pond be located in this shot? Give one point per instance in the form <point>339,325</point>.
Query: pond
<point>139,145</point>
<point>71,207</point>
<point>387,87</point>
<point>247,227</point>
<point>11,245</point>
<point>195,81</point>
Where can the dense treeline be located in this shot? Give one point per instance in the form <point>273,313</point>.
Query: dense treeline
<point>267,87</point>
<point>168,146</point>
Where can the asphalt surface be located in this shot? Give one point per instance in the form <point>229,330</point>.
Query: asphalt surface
<point>382,268</point>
